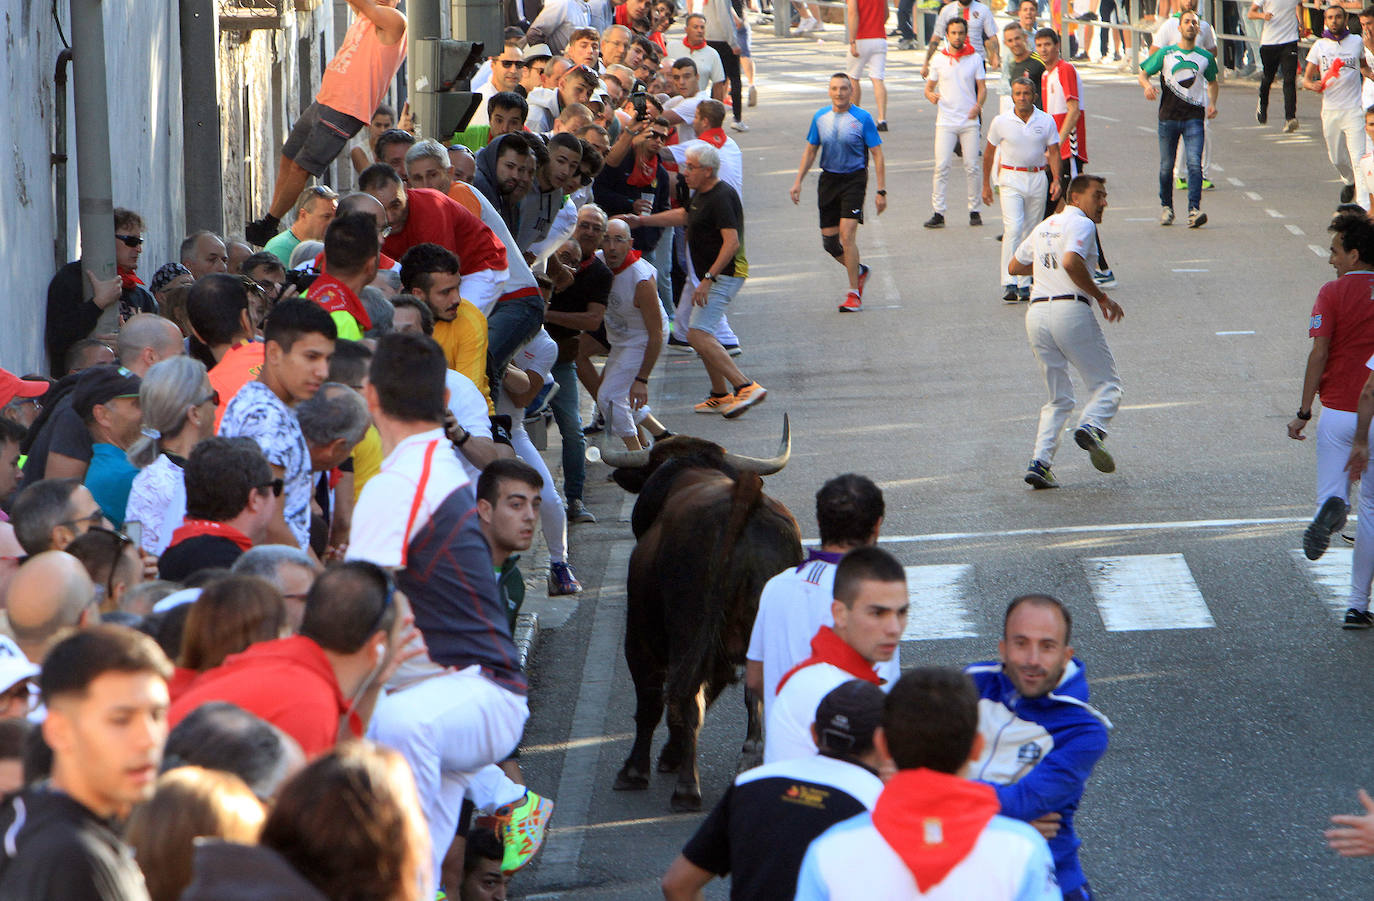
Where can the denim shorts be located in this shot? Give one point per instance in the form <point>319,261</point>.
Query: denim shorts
<point>723,290</point>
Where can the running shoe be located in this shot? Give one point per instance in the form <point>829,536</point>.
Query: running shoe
<point>1011,295</point>
<point>1196,218</point>
<point>715,403</point>
<point>1038,476</point>
<point>1357,619</point>
<point>1348,194</point>
<point>1104,278</point>
<point>677,346</point>
<point>562,580</point>
<point>598,424</point>
<point>578,512</point>
<point>974,219</point>
<point>882,126</point>
<point>739,126</point>
<point>863,278</point>
<point>522,826</point>
<point>1181,184</point>
<point>753,96</point>
<point>1023,293</point>
<point>1166,216</point>
<point>746,397</point>
<point>1290,126</point>
<point>1092,439</point>
<point>935,221</point>
<point>853,303</point>
<point>1330,518</point>
<point>733,350</point>
<point>906,45</point>
<point>1208,184</point>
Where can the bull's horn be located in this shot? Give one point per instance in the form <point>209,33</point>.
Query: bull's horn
<point>766,467</point>
<point>619,457</point>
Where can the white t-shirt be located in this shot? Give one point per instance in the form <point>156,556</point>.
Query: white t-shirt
<point>1283,28</point>
<point>793,606</point>
<point>1023,144</point>
<point>686,108</point>
<point>624,321</point>
<point>710,69</point>
<point>1068,232</point>
<point>788,732</point>
<point>979,19</point>
<point>469,407</point>
<point>731,161</point>
<point>1168,34</point>
<point>538,355</point>
<point>1343,90</point>
<point>1366,170</point>
<point>957,81</point>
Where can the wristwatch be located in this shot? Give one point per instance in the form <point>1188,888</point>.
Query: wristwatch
<point>708,277</point>
<point>1303,416</point>
<point>881,192</point>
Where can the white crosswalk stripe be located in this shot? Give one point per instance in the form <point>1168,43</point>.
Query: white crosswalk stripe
<point>1331,574</point>
<point>939,602</point>
<point>1147,591</point>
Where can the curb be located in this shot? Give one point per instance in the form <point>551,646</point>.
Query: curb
<point>525,635</point>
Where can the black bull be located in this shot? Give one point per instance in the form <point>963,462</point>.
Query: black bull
<point>708,540</point>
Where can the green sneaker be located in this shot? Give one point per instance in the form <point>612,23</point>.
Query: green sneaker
<point>1207,184</point>
<point>1181,184</point>
<point>522,827</point>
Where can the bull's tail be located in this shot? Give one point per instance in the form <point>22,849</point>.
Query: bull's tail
<point>708,642</point>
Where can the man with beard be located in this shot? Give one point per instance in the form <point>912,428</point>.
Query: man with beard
<point>1041,737</point>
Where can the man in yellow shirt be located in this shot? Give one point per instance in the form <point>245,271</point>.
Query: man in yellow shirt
<point>429,273</point>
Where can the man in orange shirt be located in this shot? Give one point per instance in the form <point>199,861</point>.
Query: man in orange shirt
<point>354,82</point>
<point>217,308</point>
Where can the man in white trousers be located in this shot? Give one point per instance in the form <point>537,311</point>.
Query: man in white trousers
<point>1342,331</point>
<point>958,88</point>
<point>1028,142</point>
<point>635,325</point>
<point>1334,68</point>
<point>1060,256</point>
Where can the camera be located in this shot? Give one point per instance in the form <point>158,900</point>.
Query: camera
<point>640,100</point>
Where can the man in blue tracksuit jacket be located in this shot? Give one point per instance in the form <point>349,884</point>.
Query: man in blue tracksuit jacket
<point>1042,738</point>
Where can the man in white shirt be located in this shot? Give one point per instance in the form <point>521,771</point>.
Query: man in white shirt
<point>1283,24</point>
<point>506,70</point>
<point>870,611</point>
<point>956,85</point>
<point>1334,69</point>
<point>1060,255</point>
<point>1028,142</point>
<point>796,602</point>
<point>556,22</point>
<point>710,69</point>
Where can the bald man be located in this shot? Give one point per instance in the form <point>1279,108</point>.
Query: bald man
<point>50,593</point>
<point>147,339</point>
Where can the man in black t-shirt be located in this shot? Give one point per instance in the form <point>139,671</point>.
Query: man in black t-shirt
<point>105,688</point>
<point>715,249</point>
<point>581,285</point>
<point>782,806</point>
<point>1021,62</point>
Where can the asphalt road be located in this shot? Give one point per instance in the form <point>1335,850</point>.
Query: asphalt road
<point>1238,703</point>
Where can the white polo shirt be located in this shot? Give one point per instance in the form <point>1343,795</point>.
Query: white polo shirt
<point>1068,232</point>
<point>788,731</point>
<point>710,70</point>
<point>1023,144</point>
<point>958,86</point>
<point>1342,91</point>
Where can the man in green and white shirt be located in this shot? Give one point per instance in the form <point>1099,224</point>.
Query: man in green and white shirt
<point>1187,98</point>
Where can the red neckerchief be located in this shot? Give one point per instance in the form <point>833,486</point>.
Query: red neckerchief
<point>827,647</point>
<point>642,172</point>
<point>128,278</point>
<point>713,136</point>
<point>966,50</point>
<point>383,262</point>
<point>932,821</point>
<point>691,46</point>
<point>630,259</point>
<point>336,297</point>
<point>193,528</point>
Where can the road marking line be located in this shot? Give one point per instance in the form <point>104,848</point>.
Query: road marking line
<point>1124,677</point>
<point>561,746</point>
<point>1147,591</point>
<point>1222,334</point>
<point>1295,230</point>
<point>1318,249</point>
<point>1216,168</point>
<point>1179,525</point>
<point>1105,118</point>
<point>1141,219</point>
<point>1275,214</point>
<point>1150,130</point>
<point>1189,270</point>
<point>1331,574</point>
<point>938,608</point>
<point>1236,181</point>
<point>1253,196</point>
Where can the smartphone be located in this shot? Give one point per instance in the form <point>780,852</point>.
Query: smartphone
<point>135,532</point>
<point>640,101</point>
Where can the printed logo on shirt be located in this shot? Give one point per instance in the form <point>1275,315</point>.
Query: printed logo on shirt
<point>1028,753</point>
<point>807,796</point>
<point>1316,321</point>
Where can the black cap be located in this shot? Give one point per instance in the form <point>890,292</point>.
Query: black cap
<point>846,718</point>
<point>102,384</point>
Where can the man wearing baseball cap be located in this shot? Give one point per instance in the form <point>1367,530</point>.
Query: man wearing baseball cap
<point>12,387</point>
<point>106,399</point>
<point>783,806</point>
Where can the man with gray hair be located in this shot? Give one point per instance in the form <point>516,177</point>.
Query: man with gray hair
<point>333,422</point>
<point>615,44</point>
<point>314,211</point>
<point>204,252</point>
<point>289,568</point>
<point>715,245</point>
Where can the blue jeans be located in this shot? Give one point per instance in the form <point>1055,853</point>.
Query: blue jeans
<point>564,407</point>
<point>723,290</point>
<point>511,324</point>
<point>1191,131</point>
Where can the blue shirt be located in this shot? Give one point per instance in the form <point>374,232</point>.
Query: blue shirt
<point>109,478</point>
<point>844,139</point>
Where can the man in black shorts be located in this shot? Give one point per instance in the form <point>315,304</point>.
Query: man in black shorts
<point>845,135</point>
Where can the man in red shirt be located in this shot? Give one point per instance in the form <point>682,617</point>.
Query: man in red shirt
<point>322,684</point>
<point>866,22</point>
<point>1342,330</point>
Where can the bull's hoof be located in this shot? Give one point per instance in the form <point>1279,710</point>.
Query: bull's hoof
<point>686,800</point>
<point>669,760</point>
<point>750,756</point>
<point>629,779</point>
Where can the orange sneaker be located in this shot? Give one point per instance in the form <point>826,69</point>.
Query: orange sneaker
<point>713,404</point>
<point>853,303</point>
<point>745,398</point>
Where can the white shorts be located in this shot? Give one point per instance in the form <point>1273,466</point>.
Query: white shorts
<point>872,55</point>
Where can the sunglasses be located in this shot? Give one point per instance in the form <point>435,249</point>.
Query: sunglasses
<point>658,135</point>
<point>212,397</point>
<point>509,63</point>
<point>92,522</point>
<point>388,598</point>
<point>323,191</point>
<point>276,485</point>
<point>130,240</point>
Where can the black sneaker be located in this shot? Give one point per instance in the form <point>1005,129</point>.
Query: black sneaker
<point>1348,194</point>
<point>578,512</point>
<point>935,221</point>
<point>882,126</point>
<point>1091,439</point>
<point>1011,295</point>
<point>1038,476</point>
<point>260,231</point>
<point>1261,114</point>
<point>1357,619</point>
<point>974,220</point>
<point>1330,518</point>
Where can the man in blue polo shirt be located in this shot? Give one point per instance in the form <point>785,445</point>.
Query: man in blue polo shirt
<point>845,135</point>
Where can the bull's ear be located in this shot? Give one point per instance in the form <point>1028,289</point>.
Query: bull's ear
<point>632,480</point>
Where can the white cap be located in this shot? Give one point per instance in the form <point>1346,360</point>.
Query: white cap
<point>176,599</point>
<point>14,666</point>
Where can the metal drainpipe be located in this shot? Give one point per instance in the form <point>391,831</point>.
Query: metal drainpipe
<point>59,159</point>
<point>93,182</point>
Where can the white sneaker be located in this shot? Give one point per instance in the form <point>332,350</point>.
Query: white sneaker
<point>1166,216</point>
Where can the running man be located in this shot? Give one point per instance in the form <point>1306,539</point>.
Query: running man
<point>845,135</point>
<point>1334,68</point>
<point>957,86</point>
<point>866,21</point>
<point>1059,256</point>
